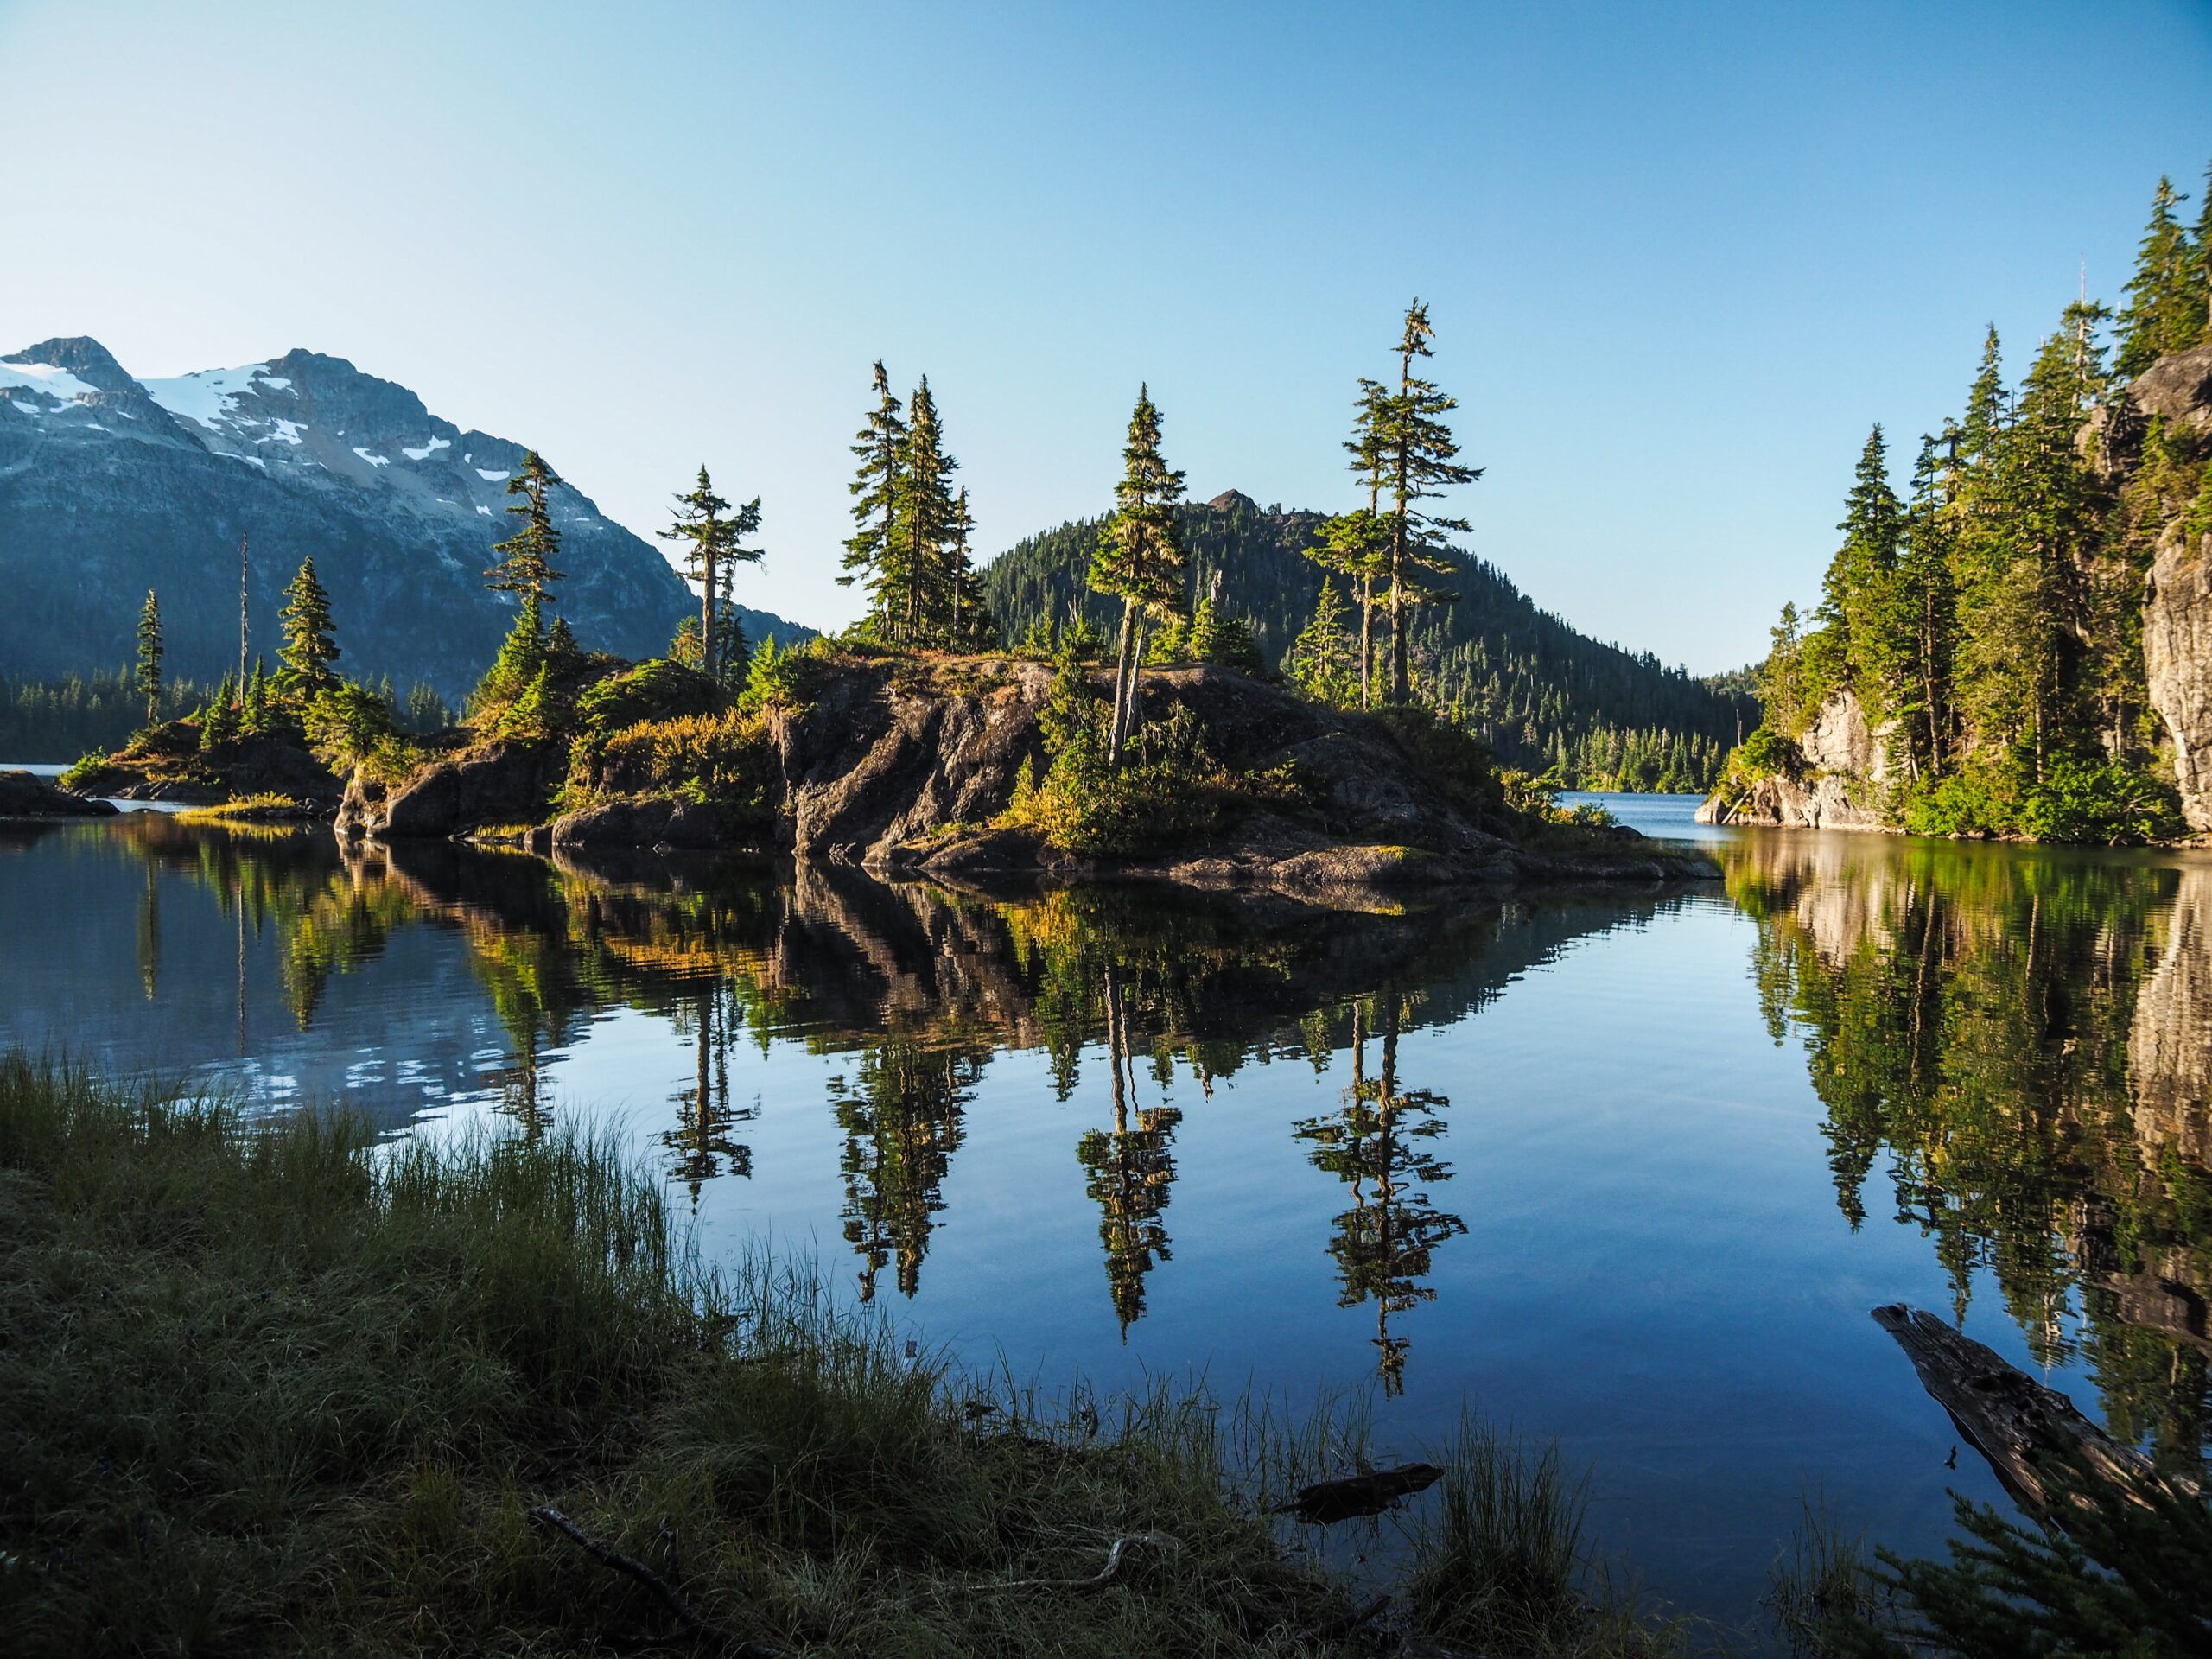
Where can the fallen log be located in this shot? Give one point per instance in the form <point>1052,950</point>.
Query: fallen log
<point>1326,1502</point>
<point>2020,1427</point>
<point>1097,1580</point>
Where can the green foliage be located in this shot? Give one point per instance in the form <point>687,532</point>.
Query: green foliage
<point>1765,754</point>
<point>528,695</point>
<point>655,690</point>
<point>2166,307</point>
<point>2105,802</point>
<point>344,724</point>
<point>777,679</point>
<point>2118,1575</point>
<point>910,546</point>
<point>1419,461</point>
<point>724,758</point>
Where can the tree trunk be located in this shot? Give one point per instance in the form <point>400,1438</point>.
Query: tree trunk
<point>707,620</point>
<point>1121,683</point>
<point>1401,682</point>
<point>1366,639</point>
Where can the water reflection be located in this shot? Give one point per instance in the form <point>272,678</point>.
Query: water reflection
<point>2025,1042</point>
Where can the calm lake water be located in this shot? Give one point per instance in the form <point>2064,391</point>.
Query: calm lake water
<point>1625,1170</point>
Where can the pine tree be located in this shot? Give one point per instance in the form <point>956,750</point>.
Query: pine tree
<point>1139,556</point>
<point>308,649</point>
<point>1418,451</point>
<point>2165,308</point>
<point>880,445</point>
<point>149,677</point>
<point>1929,602</point>
<point>257,700</point>
<point>714,545</point>
<point>524,565</point>
<point>2201,264</point>
<point>970,626</point>
<point>1860,604</point>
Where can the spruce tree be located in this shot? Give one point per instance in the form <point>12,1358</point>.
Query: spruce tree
<point>309,648</point>
<point>524,565</point>
<point>2165,309</point>
<point>149,676</point>
<point>880,446</point>
<point>1418,455</point>
<point>1139,556</point>
<point>1859,604</point>
<point>970,626</point>
<point>713,537</point>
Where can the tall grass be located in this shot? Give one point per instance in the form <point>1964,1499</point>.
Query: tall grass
<point>267,1387</point>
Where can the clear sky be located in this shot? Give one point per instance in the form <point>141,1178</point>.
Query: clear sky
<point>1678,256</point>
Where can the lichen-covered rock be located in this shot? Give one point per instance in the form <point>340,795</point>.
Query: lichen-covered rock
<point>498,783</point>
<point>27,794</point>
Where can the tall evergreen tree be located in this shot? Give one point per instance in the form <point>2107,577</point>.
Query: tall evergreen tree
<point>524,564</point>
<point>925,529</point>
<point>1928,608</point>
<point>713,539</point>
<point>1860,603</point>
<point>1356,544</point>
<point>149,676</point>
<point>1418,455</point>
<point>1139,556</point>
<point>2165,308</point>
<point>309,644</point>
<point>970,626</point>
<point>880,446</point>
<point>1319,663</point>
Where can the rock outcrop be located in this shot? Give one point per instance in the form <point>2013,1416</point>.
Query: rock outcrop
<point>497,783</point>
<point>1846,764</point>
<point>2177,663</point>
<point>168,763</point>
<point>27,794</point>
<point>901,768</point>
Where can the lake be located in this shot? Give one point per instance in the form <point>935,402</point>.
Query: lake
<point>1623,1169</point>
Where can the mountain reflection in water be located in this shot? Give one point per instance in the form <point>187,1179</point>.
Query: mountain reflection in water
<point>1627,1169</point>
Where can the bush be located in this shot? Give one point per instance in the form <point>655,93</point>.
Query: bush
<point>345,722</point>
<point>777,679</point>
<point>724,758</point>
<point>656,689</point>
<point>1765,754</point>
<point>2107,803</point>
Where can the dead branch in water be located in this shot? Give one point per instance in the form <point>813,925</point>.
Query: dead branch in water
<point>1326,1502</point>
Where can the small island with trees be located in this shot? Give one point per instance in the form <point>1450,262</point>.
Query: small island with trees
<point>920,741</point>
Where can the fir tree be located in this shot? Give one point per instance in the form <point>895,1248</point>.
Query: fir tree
<point>1860,603</point>
<point>1418,453</point>
<point>525,564</point>
<point>309,648</point>
<point>880,445</point>
<point>149,677</point>
<point>1356,544</point>
<point>1139,556</point>
<point>2165,308</point>
<point>256,715</point>
<point>713,538</point>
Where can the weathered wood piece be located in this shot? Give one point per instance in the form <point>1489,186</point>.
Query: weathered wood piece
<point>1327,1502</point>
<point>613,1559</point>
<point>1098,1580</point>
<point>2014,1421</point>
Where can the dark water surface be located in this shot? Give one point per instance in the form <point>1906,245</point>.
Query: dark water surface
<point>1626,1170</point>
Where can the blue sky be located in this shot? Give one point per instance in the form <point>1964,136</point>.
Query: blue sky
<point>1678,257</point>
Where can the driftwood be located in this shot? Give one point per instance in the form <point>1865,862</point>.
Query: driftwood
<point>2021,1428</point>
<point>1326,1502</point>
<point>613,1559</point>
<point>1098,1580</point>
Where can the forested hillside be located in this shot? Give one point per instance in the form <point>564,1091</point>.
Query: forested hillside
<point>2010,644</point>
<point>1543,696</point>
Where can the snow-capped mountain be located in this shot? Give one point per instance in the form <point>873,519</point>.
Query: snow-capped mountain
<point>110,486</point>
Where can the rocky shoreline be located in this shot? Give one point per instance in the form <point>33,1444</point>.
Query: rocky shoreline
<point>906,769</point>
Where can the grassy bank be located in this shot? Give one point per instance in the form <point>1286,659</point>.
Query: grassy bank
<point>262,1391</point>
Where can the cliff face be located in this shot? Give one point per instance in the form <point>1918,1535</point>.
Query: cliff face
<point>2177,613</point>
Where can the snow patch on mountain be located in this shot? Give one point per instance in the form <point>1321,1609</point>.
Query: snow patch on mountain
<point>212,395</point>
<point>427,450</point>
<point>491,477</point>
<point>374,461</point>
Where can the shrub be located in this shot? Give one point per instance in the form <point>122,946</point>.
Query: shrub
<point>345,722</point>
<point>655,690</point>
<point>777,679</point>
<point>1765,754</point>
<point>2107,803</point>
<point>724,758</point>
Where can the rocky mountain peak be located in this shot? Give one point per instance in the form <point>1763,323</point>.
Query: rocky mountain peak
<point>1230,500</point>
<point>81,356</point>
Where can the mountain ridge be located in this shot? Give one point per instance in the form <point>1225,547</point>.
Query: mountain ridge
<point>110,485</point>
